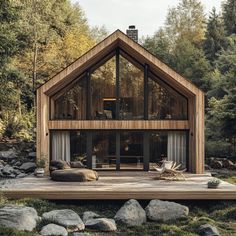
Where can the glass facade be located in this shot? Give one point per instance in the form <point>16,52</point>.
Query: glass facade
<point>104,150</point>
<point>122,150</point>
<point>164,103</point>
<point>103,86</point>
<point>116,90</point>
<point>71,104</point>
<point>131,91</point>
<point>131,150</point>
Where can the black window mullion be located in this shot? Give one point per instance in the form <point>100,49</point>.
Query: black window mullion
<point>117,150</point>
<point>89,148</point>
<point>88,95</point>
<point>117,84</point>
<point>145,92</point>
<point>146,150</point>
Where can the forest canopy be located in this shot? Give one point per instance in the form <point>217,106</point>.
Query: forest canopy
<point>40,37</point>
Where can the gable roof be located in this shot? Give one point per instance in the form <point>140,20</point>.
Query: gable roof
<point>102,49</point>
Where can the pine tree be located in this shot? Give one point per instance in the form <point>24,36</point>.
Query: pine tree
<point>229,14</point>
<point>215,36</point>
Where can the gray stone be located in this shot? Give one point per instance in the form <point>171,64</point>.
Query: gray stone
<point>131,213</point>
<point>164,211</point>
<point>21,175</point>
<point>18,163</point>
<point>19,217</point>
<point>28,167</point>
<point>101,224</point>
<point>7,155</point>
<point>67,218</point>
<point>12,176</point>
<point>32,155</point>
<point>89,215</point>
<point>7,170</point>
<point>53,230</point>
<point>208,230</point>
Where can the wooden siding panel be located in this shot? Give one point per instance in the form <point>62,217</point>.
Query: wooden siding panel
<point>139,125</point>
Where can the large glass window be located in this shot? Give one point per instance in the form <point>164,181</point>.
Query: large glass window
<point>70,103</point>
<point>69,146</point>
<point>131,150</point>
<point>122,149</point>
<point>164,102</point>
<point>131,91</point>
<point>104,150</point>
<point>170,146</point>
<point>103,86</point>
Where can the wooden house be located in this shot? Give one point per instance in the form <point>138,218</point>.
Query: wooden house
<point>118,107</point>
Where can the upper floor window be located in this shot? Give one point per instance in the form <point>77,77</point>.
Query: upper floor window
<point>70,103</point>
<point>116,90</point>
<point>165,103</point>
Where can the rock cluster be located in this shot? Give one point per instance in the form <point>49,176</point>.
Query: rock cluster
<point>67,222</point>
<point>220,163</point>
<point>17,161</point>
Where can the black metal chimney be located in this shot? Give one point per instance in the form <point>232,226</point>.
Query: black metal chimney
<point>132,33</point>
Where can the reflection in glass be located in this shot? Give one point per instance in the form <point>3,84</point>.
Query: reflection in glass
<point>104,150</point>
<point>170,146</point>
<point>103,84</point>
<point>164,102</point>
<point>131,150</point>
<point>72,103</point>
<point>78,146</point>
<point>131,91</point>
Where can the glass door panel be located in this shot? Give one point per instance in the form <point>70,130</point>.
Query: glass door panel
<point>131,150</point>
<point>104,150</point>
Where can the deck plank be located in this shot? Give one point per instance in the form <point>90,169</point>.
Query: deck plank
<point>118,185</point>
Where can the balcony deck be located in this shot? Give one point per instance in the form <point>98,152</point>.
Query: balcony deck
<point>118,185</point>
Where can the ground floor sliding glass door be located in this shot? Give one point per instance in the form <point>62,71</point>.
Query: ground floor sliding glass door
<point>120,150</point>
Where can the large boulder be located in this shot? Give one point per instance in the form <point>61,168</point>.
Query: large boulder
<point>88,215</point>
<point>8,155</point>
<point>131,213</point>
<point>28,167</point>
<point>74,175</point>
<point>19,217</point>
<point>53,230</point>
<point>164,211</point>
<point>101,224</point>
<point>67,218</point>
<point>208,230</point>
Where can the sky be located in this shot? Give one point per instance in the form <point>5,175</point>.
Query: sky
<point>147,15</point>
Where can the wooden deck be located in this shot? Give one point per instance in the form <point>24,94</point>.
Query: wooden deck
<point>118,185</point>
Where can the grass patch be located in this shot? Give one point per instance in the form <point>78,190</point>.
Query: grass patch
<point>14,232</point>
<point>219,213</point>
